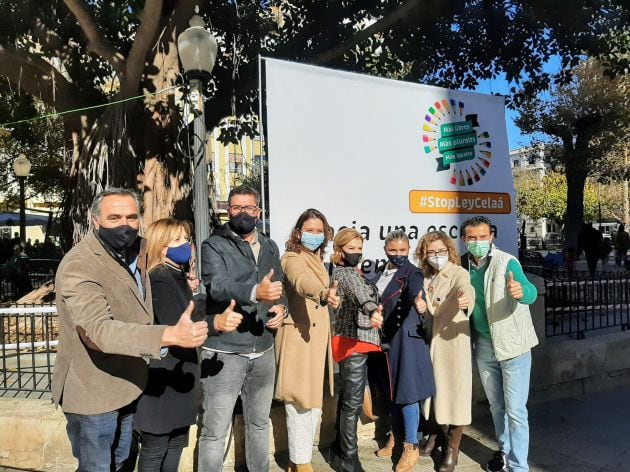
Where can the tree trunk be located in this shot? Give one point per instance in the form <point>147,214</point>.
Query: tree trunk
<point>576,179</point>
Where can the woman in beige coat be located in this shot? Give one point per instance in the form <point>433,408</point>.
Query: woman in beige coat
<point>449,299</point>
<point>303,341</point>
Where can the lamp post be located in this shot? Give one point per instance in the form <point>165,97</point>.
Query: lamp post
<point>21,168</point>
<point>197,49</point>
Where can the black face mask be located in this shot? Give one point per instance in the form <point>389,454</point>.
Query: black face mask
<point>397,260</point>
<point>351,260</point>
<point>243,223</point>
<point>119,238</point>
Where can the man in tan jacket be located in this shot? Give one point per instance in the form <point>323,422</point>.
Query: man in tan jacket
<point>107,336</point>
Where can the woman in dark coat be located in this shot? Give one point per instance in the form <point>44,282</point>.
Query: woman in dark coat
<point>404,342</point>
<point>171,400</point>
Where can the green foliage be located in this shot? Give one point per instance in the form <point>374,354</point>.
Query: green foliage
<point>547,197</point>
<point>41,141</point>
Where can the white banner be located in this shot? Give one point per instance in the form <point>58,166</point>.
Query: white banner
<point>379,154</point>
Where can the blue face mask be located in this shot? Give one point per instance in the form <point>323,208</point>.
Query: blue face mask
<point>179,254</point>
<point>479,248</point>
<point>311,241</point>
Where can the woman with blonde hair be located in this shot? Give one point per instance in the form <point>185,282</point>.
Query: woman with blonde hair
<point>303,353</point>
<point>450,298</point>
<point>355,334</point>
<point>172,397</point>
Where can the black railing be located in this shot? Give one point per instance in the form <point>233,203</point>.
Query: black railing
<point>40,271</point>
<point>579,303</point>
<point>28,344</point>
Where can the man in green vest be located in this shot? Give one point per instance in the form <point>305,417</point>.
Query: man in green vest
<point>503,335</point>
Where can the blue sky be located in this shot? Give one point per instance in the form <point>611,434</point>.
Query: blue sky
<point>499,85</point>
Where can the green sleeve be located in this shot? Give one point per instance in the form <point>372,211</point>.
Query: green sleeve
<point>529,290</point>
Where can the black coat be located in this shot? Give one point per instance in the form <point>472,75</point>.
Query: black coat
<point>172,397</point>
<point>404,340</point>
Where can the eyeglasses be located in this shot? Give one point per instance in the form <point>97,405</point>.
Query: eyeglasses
<point>441,252</point>
<point>250,209</point>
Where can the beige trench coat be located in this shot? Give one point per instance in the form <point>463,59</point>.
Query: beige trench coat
<point>303,351</point>
<point>450,345</point>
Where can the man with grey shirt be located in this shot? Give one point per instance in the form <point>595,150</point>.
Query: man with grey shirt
<point>240,264</point>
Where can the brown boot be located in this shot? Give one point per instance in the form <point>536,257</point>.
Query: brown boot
<point>451,450</point>
<point>300,467</point>
<point>427,445</point>
<point>388,449</point>
<point>408,459</point>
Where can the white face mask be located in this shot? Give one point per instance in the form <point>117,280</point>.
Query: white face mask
<point>437,262</point>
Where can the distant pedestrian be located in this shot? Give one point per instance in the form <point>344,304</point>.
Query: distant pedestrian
<point>590,241</point>
<point>18,272</point>
<point>621,241</point>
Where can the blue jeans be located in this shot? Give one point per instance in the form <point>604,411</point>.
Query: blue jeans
<point>223,377</point>
<point>406,419</point>
<point>506,384</point>
<point>101,443</point>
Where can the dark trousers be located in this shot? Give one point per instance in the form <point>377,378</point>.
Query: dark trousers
<point>161,452</point>
<point>352,375</point>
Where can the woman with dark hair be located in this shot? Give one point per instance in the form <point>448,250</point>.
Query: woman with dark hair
<point>355,335</point>
<point>303,352</point>
<point>450,298</point>
<point>404,343</point>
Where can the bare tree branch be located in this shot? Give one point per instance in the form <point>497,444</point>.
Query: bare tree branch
<point>381,25</point>
<point>145,38</point>
<point>96,41</point>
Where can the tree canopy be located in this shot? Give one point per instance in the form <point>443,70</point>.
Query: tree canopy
<point>586,122</point>
<point>77,53</point>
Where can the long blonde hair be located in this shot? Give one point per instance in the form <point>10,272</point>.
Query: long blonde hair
<point>342,238</point>
<point>159,234</point>
<point>423,245</point>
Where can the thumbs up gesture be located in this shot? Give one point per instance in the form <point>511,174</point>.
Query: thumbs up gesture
<point>229,320</point>
<point>421,305</point>
<point>514,288</point>
<point>377,317</point>
<point>267,290</point>
<point>332,299</point>
<point>462,299</point>
<point>186,333</point>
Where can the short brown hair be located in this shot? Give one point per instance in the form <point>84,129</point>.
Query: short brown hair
<point>342,238</point>
<point>294,244</point>
<point>423,245</point>
<point>159,234</point>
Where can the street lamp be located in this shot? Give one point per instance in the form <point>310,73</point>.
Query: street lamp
<point>197,49</point>
<point>21,168</point>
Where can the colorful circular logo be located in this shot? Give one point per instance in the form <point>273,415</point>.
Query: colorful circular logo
<point>454,139</point>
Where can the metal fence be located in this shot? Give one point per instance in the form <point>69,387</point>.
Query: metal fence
<point>40,271</point>
<point>581,303</point>
<point>28,341</point>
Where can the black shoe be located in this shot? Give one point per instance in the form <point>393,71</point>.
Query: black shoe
<point>497,463</point>
<point>339,463</point>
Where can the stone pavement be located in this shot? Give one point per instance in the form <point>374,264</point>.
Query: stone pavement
<point>581,434</point>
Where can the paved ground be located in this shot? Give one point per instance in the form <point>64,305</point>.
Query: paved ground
<point>582,434</point>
